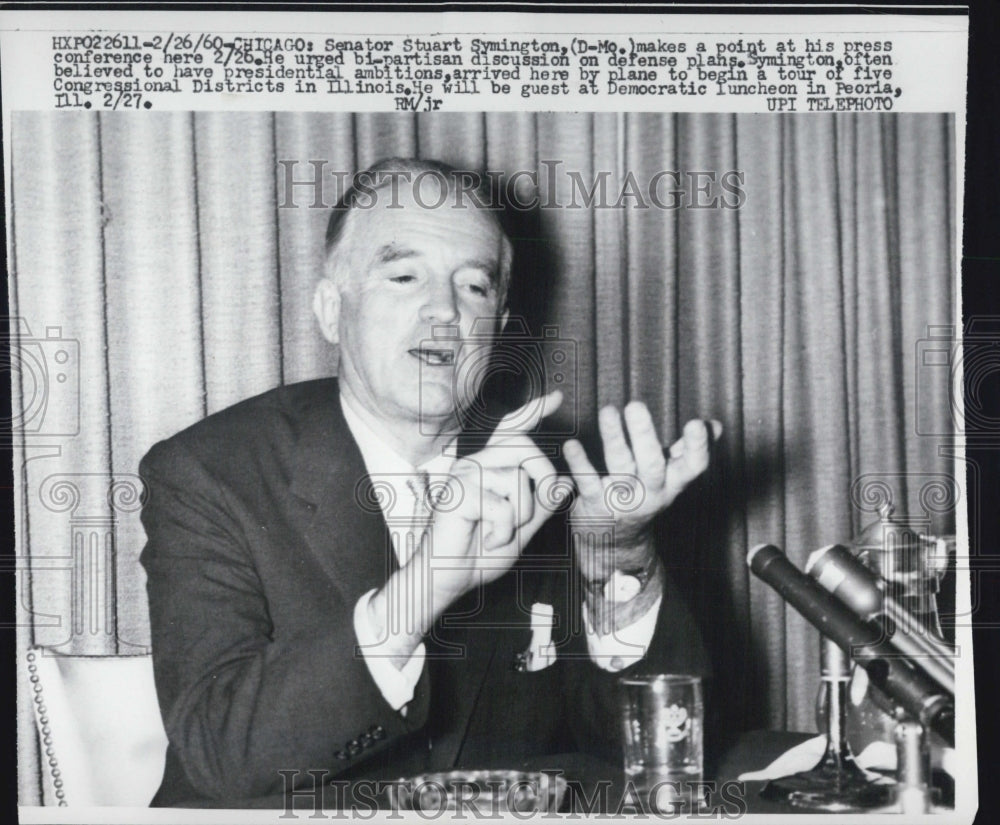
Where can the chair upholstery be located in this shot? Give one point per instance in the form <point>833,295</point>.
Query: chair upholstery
<point>102,739</point>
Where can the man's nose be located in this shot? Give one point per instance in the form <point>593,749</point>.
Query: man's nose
<point>440,304</point>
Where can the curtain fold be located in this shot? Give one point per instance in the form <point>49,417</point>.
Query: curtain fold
<point>651,247</point>
<point>236,194</point>
<point>177,256</point>
<point>153,316</point>
<point>760,152</point>
<point>308,148</point>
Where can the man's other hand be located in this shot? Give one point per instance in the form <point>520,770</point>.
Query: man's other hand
<point>642,481</point>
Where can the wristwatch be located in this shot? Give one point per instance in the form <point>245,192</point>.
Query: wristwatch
<point>623,585</point>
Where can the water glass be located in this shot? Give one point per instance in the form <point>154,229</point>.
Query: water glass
<point>662,720</point>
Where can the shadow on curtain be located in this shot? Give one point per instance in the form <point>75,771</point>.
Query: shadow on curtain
<point>151,255</point>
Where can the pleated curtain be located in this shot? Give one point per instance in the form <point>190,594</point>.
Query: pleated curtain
<point>153,253</point>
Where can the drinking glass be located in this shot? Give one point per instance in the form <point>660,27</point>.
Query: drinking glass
<point>662,720</point>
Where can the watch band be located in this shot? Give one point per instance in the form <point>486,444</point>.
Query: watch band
<point>641,574</point>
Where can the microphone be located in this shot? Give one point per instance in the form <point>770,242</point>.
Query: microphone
<point>838,571</point>
<point>910,687</point>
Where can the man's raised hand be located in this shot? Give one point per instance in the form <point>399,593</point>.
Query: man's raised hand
<point>642,481</point>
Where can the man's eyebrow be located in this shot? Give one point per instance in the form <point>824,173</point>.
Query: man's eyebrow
<point>491,268</point>
<point>393,252</point>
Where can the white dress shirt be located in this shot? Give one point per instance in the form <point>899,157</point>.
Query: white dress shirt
<point>612,652</point>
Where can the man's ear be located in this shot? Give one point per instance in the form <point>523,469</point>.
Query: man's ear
<point>326,306</point>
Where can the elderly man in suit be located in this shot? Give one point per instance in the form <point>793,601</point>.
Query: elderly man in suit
<point>299,623</point>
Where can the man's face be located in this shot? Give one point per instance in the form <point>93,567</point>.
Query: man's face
<point>398,276</point>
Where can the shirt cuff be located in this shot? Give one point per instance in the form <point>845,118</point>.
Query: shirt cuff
<point>625,646</point>
<point>395,684</point>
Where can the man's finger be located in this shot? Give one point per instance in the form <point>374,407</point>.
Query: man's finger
<point>545,503</point>
<point>511,483</point>
<point>498,521</point>
<point>646,448</point>
<point>588,482</point>
<point>502,481</point>
<point>617,455</point>
<point>526,417</point>
<point>690,456</point>
<point>459,496</point>
<point>677,448</point>
<point>516,451</point>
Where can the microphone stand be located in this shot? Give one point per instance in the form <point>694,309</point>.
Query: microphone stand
<point>837,783</point>
<point>910,687</point>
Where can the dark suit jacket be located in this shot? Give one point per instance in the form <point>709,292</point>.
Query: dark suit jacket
<point>258,550</point>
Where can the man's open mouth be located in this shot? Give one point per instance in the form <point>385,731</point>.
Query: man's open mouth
<point>434,357</point>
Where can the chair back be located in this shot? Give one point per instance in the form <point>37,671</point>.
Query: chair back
<point>102,738</point>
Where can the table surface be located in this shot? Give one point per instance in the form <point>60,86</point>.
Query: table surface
<point>752,752</point>
<point>585,775</point>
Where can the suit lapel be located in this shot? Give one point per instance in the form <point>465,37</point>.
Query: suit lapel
<point>345,530</point>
